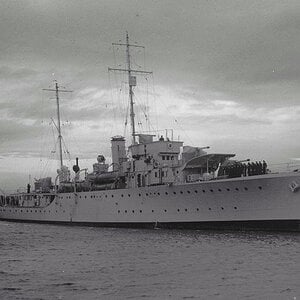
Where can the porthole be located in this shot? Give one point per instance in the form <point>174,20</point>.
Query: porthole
<point>112,196</point>
<point>117,203</point>
<point>236,189</point>
<point>203,191</point>
<point>235,207</point>
<point>133,211</point>
<point>260,187</point>
<point>105,196</point>
<point>178,210</point>
<point>246,189</point>
<point>181,192</point>
<point>188,192</point>
<point>196,191</point>
<point>125,211</point>
<point>212,190</point>
<point>141,211</point>
<point>158,194</point>
<point>165,210</point>
<point>186,209</point>
<point>122,195</point>
<point>146,194</point>
<point>128,195</point>
<point>209,208</point>
<point>228,189</point>
<point>152,210</point>
<point>174,193</point>
<point>197,209</point>
<point>219,190</point>
<point>140,195</point>
<point>222,208</point>
<point>166,193</point>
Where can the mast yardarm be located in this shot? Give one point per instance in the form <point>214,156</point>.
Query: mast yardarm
<point>58,127</point>
<point>131,81</point>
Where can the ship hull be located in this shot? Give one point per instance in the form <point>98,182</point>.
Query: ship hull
<point>263,225</point>
<point>265,202</point>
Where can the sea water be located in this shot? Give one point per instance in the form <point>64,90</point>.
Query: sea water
<point>39,261</point>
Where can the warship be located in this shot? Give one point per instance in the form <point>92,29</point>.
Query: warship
<point>158,182</point>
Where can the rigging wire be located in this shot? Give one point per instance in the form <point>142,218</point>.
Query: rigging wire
<point>175,119</point>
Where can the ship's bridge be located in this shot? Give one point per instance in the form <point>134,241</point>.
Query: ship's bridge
<point>161,150</point>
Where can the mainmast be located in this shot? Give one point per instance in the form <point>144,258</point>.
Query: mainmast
<point>58,126</point>
<point>131,81</point>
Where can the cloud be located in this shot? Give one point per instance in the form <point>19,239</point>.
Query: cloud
<point>225,71</point>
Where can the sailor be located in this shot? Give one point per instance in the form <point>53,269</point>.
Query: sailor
<point>264,167</point>
<point>249,169</point>
<point>28,188</point>
<point>257,168</point>
<point>253,168</point>
<point>161,138</point>
<point>260,168</point>
<point>244,170</point>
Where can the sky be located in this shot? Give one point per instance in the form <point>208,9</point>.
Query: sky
<point>225,75</point>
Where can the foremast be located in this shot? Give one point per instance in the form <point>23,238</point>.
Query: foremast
<point>58,126</point>
<point>131,81</point>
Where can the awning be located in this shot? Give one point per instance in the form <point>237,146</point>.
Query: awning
<point>212,159</point>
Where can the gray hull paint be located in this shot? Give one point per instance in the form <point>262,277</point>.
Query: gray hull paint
<point>256,202</point>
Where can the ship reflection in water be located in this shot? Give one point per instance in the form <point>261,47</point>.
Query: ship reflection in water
<point>41,261</point>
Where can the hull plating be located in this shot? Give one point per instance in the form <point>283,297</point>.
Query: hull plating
<point>257,202</point>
